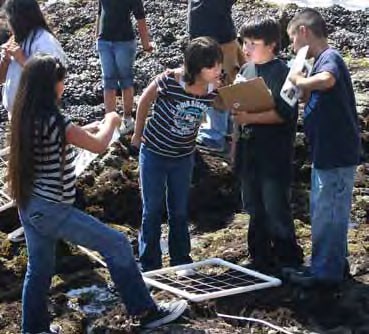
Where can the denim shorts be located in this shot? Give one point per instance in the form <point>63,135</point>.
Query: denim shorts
<point>117,63</point>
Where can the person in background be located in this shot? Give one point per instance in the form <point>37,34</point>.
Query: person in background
<point>331,127</point>
<point>42,179</point>
<point>116,46</point>
<point>167,145</point>
<point>214,19</point>
<point>30,34</point>
<point>264,153</point>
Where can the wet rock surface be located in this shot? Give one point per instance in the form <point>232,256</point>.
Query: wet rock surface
<point>109,190</point>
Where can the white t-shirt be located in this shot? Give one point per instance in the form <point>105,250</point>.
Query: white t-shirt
<point>42,42</point>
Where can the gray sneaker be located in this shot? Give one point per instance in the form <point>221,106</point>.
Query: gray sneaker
<point>164,314</point>
<point>53,329</point>
<point>127,126</point>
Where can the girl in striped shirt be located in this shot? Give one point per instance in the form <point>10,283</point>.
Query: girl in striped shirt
<point>167,144</point>
<point>42,181</point>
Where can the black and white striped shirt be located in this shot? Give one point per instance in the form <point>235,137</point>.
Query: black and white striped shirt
<point>54,179</point>
<point>172,129</point>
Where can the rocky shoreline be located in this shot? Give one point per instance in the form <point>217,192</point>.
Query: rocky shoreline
<point>109,190</point>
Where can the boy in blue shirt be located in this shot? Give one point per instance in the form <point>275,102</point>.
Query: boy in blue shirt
<point>331,127</point>
<point>264,153</point>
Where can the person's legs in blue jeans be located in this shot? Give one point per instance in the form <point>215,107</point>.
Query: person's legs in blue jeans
<point>109,71</point>
<point>44,223</point>
<point>124,53</point>
<point>40,269</point>
<point>178,187</point>
<point>331,196</point>
<point>214,135</point>
<point>279,221</point>
<point>153,176</point>
<point>258,237</point>
<point>87,231</point>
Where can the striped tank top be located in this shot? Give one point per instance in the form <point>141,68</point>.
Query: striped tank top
<point>54,178</point>
<point>173,126</point>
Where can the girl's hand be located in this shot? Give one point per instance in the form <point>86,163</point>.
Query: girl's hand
<point>13,49</point>
<point>113,118</point>
<point>136,140</point>
<point>4,47</point>
<point>5,55</point>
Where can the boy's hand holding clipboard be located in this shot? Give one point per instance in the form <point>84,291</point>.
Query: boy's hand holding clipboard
<point>251,95</point>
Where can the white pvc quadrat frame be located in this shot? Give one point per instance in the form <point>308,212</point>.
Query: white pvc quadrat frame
<point>267,281</point>
<point>5,201</point>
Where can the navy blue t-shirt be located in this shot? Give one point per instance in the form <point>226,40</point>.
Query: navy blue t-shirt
<point>330,117</point>
<point>211,18</point>
<point>115,19</point>
<point>269,147</point>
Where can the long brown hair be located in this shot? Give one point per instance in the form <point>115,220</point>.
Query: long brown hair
<point>25,18</point>
<point>35,103</point>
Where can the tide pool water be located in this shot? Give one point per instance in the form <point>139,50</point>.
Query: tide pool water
<point>348,4</point>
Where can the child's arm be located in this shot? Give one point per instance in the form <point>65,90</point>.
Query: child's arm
<point>92,127</point>
<point>94,142</point>
<point>320,81</point>
<point>144,35</point>
<point>147,98</point>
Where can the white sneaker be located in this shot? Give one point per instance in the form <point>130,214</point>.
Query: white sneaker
<point>186,273</point>
<point>53,329</point>
<point>127,125</point>
<point>17,235</point>
<point>164,314</point>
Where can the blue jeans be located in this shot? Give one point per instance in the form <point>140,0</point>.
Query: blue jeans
<point>218,127</point>
<point>44,224</point>
<point>330,206</point>
<point>271,233</point>
<point>159,177</point>
<point>117,60</point>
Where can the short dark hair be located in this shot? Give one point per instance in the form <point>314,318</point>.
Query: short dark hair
<point>312,19</point>
<point>264,28</point>
<point>201,52</point>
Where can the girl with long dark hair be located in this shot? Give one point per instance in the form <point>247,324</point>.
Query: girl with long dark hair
<point>42,181</point>
<point>30,34</point>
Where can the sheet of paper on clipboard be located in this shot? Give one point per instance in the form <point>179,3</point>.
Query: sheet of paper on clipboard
<point>251,95</point>
<point>289,92</point>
